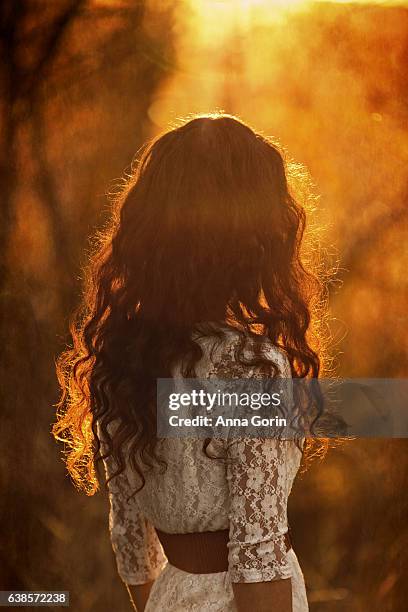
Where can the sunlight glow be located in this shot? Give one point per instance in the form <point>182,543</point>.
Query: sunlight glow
<point>274,6</point>
<point>232,51</point>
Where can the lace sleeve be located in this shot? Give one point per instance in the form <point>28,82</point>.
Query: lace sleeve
<point>260,473</point>
<point>138,552</point>
<point>258,510</point>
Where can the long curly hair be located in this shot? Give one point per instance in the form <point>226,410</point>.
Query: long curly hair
<point>205,229</point>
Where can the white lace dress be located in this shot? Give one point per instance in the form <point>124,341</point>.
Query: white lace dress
<point>196,493</point>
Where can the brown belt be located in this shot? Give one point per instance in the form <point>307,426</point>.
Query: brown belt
<point>203,552</point>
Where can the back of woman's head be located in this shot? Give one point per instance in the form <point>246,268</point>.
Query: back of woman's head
<point>205,230</point>
<point>206,221</point>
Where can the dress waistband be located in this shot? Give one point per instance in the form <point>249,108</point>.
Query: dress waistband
<point>204,552</point>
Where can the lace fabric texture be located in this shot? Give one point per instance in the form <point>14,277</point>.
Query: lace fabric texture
<point>244,488</point>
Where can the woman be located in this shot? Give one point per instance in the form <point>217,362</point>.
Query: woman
<point>198,275</point>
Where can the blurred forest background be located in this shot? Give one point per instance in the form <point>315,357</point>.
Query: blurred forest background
<point>83,85</point>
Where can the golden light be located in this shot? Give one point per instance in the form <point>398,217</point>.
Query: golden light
<point>231,51</point>
<point>229,13</point>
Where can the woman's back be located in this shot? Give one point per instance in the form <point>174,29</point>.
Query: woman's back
<point>245,489</point>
